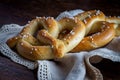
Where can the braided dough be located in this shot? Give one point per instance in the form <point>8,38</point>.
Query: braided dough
<point>39,39</point>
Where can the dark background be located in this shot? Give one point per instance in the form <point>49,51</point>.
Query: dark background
<point>22,11</point>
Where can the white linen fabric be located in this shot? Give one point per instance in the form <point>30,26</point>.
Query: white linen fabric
<point>73,66</point>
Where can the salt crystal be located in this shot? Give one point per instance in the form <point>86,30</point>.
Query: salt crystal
<point>89,13</point>
<point>67,20</point>
<point>108,27</point>
<point>103,26</point>
<point>47,18</point>
<point>44,17</point>
<point>27,33</point>
<point>98,12</point>
<point>91,38</point>
<point>52,46</point>
<point>21,43</point>
<point>49,25</point>
<point>44,34</point>
<point>35,49</point>
<point>104,23</point>
<point>85,21</point>
<point>37,17</point>
<point>72,32</point>
<point>16,38</point>
<point>22,33</point>
<point>89,16</point>
<point>32,49</point>
<point>29,21</point>
<point>69,37</point>
<point>52,17</point>
<point>26,36</point>
<point>64,39</point>
<point>98,33</point>
<point>75,20</point>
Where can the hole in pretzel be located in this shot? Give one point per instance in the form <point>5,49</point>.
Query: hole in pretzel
<point>63,33</point>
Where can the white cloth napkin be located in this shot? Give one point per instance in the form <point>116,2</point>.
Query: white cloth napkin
<point>75,66</point>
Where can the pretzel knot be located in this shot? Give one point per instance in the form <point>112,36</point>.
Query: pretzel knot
<point>46,38</point>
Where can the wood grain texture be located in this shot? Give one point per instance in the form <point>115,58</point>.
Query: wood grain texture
<point>21,11</point>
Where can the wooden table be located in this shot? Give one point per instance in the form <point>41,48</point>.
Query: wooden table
<point>20,12</point>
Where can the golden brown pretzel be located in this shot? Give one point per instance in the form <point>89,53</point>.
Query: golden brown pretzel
<point>115,20</point>
<point>47,45</point>
<point>26,43</point>
<point>29,30</point>
<point>90,18</point>
<point>70,40</point>
<point>96,40</point>
<point>76,32</point>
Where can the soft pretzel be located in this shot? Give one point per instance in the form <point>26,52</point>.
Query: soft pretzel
<point>46,38</point>
<point>40,38</point>
<point>90,18</point>
<point>29,31</point>
<point>28,46</point>
<point>75,34</point>
<point>96,40</point>
<point>115,20</point>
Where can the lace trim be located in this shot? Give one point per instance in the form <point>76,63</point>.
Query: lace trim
<point>43,71</point>
<point>15,57</point>
<point>14,28</point>
<point>11,28</point>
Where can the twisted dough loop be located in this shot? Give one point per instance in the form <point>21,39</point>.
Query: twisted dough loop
<point>102,32</point>
<point>39,39</point>
<point>28,46</point>
<point>76,32</point>
<point>116,21</point>
<point>99,39</point>
<point>90,18</point>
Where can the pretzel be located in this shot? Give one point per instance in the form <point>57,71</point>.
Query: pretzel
<point>40,38</point>
<point>90,18</point>
<point>76,32</point>
<point>115,20</point>
<point>96,40</point>
<point>28,31</point>
<point>27,45</point>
